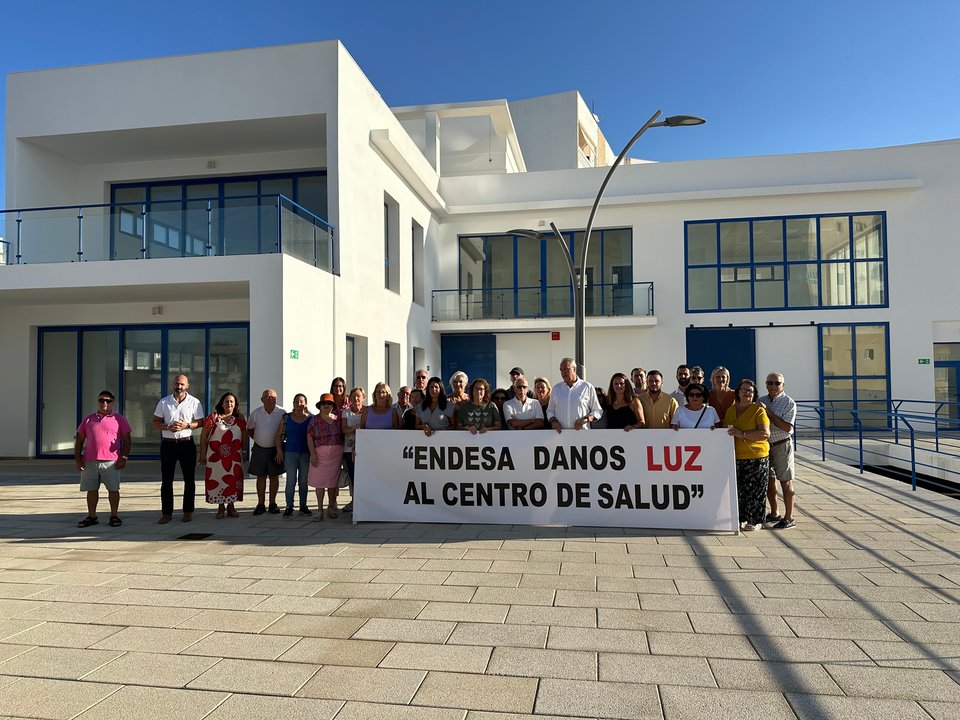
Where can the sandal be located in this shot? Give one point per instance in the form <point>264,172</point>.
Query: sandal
<point>332,513</point>
<point>232,512</point>
<point>88,521</point>
<point>220,513</point>
<point>115,521</point>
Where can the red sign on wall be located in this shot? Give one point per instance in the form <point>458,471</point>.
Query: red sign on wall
<point>555,335</point>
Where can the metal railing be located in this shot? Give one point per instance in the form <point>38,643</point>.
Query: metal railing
<point>197,227</point>
<point>538,301</point>
<point>923,443</point>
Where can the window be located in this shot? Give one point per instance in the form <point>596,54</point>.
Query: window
<point>416,261</point>
<point>391,365</point>
<point>819,261</point>
<point>524,277</point>
<point>391,244</point>
<point>854,374</point>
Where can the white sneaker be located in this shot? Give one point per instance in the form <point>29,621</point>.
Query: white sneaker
<point>749,527</point>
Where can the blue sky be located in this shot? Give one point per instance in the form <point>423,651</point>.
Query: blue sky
<point>770,76</point>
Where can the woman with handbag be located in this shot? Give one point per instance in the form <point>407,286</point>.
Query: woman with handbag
<point>696,414</point>
<point>325,441</point>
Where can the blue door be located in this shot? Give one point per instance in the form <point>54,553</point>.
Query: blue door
<point>476,355</point>
<point>734,348</point>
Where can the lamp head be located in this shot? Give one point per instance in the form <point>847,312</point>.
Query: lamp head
<point>683,120</point>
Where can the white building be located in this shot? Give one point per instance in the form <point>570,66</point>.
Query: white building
<point>143,223</point>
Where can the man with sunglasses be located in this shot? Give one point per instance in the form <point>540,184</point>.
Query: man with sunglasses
<point>782,412</point>
<point>100,453</point>
<point>420,381</point>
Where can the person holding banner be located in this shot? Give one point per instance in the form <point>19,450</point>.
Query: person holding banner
<point>379,416</point>
<point>695,414</point>
<point>410,418</point>
<point>479,413</point>
<point>522,412</point>
<point>624,412</point>
<point>747,423</point>
<point>433,413</point>
<point>573,402</point>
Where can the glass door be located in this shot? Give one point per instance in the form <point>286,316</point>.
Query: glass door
<point>946,369</point>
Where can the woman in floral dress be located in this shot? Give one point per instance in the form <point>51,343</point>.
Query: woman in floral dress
<point>222,442</point>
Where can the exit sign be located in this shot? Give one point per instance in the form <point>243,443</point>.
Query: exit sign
<point>923,361</point>
<point>294,354</point>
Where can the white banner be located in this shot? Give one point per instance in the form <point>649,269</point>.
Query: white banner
<point>682,479</point>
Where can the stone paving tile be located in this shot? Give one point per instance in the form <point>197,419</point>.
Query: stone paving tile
<point>152,669</point>
<point>51,699</point>
<point>773,676</point>
<point>901,654</point>
<point>588,599</point>
<point>598,699</point>
<point>718,624</point>
<point>411,577</point>
<point>491,634</point>
<point>54,634</point>
<point>782,649</point>
<point>378,711</point>
<point>483,579</point>
<point>11,608</point>
<point>9,628</point>
<point>526,567</point>
<point>72,612</point>
<point>163,704</point>
<point>477,692</point>
<point>917,632</point>
<point>315,626</point>
<point>596,569</point>
<point>655,670</point>
<point>840,628</point>
<point>817,707</point>
<point>255,676</point>
<point>941,710</point>
<point>701,645</point>
<point>536,663</point>
<point>792,607</point>
<point>558,582</point>
<point>643,620</point>
<point>469,567</point>
<point>173,598</point>
<point>442,593</point>
<point>146,639</point>
<point>464,612</point>
<point>246,646</point>
<point>895,683</point>
<point>55,662</point>
<point>515,596</point>
<point>230,621</point>
<point>598,639</point>
<point>290,604</point>
<point>435,631</point>
<point>936,612</point>
<point>426,656</point>
<point>662,586</point>
<point>684,603</point>
<point>532,615</point>
<point>384,685</point>
<point>396,609</point>
<point>261,707</point>
<point>335,651</point>
<point>348,590</point>
<point>138,615</point>
<point>868,610</point>
<point>682,703</point>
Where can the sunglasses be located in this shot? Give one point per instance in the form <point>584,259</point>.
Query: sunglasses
<point>104,400</point>
<point>421,377</point>
<point>695,395</point>
<point>774,382</point>
<point>326,402</point>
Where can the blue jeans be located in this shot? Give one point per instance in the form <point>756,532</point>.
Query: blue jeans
<point>295,464</point>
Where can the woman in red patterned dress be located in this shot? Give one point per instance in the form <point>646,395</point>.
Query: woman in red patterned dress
<point>222,442</point>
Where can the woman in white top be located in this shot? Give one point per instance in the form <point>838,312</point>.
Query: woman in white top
<point>696,414</point>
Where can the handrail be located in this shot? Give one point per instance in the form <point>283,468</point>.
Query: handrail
<point>881,427</point>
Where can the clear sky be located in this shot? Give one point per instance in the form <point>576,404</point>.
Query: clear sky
<point>770,76</point>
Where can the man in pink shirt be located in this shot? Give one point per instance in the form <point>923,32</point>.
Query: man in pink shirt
<point>100,453</point>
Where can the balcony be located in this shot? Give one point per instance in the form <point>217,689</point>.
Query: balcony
<point>616,301</point>
<point>199,227</point>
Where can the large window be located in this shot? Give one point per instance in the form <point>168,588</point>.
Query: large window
<point>137,363</point>
<point>855,376</point>
<point>506,276</point>
<point>208,216</point>
<point>786,263</point>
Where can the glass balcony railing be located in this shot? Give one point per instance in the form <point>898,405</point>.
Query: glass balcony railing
<point>198,227</point>
<point>603,300</point>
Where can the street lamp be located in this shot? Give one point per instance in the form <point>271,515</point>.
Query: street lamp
<point>579,280</point>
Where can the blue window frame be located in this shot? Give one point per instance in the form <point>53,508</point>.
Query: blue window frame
<point>519,277</point>
<point>243,218</point>
<point>794,262</point>
<point>855,374</point>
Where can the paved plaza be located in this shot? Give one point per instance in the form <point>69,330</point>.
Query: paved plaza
<point>852,614</point>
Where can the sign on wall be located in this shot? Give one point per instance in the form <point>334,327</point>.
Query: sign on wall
<point>682,479</point>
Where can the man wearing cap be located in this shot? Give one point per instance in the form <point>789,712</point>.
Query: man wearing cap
<point>516,374</point>
<point>106,435</point>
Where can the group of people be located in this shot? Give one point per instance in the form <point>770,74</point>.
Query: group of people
<point>317,450</point>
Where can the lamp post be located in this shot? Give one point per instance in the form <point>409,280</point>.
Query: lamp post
<point>578,272</point>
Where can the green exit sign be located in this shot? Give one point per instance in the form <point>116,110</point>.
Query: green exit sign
<point>923,361</point>
<point>295,354</point>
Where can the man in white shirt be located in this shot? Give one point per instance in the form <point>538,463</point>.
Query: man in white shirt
<point>522,412</point>
<point>683,379</point>
<point>262,426</point>
<point>176,417</point>
<point>573,402</point>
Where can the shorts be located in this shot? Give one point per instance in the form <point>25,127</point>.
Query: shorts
<point>263,461</point>
<point>781,461</point>
<point>100,471</point>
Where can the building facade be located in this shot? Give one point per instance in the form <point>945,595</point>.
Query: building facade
<point>261,218</point>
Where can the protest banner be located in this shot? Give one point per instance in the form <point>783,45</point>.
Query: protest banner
<point>682,479</point>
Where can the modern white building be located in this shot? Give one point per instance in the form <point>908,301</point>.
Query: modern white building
<point>261,218</point>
